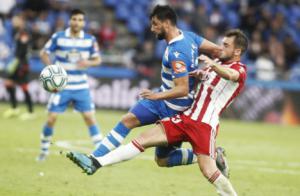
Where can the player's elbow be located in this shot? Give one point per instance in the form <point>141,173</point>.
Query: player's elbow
<point>184,91</point>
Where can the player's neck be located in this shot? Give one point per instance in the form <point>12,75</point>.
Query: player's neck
<point>74,34</point>
<point>174,32</point>
<point>233,59</point>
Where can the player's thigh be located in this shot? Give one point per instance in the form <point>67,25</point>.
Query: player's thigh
<point>144,112</point>
<point>202,138</point>
<point>152,137</point>
<point>58,102</point>
<point>82,100</point>
<point>173,128</point>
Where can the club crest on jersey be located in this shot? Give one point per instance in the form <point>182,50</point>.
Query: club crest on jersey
<point>178,66</point>
<point>176,54</point>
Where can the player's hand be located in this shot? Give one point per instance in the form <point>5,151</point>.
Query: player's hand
<point>148,94</point>
<point>83,64</point>
<point>199,73</point>
<point>208,61</point>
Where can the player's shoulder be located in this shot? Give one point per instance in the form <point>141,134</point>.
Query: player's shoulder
<point>239,66</point>
<point>58,34</point>
<point>191,35</point>
<point>177,50</point>
<point>88,36</point>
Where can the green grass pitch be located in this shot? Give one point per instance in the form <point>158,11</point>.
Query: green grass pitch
<point>264,160</point>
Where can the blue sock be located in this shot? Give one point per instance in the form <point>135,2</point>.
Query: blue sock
<point>46,139</point>
<point>95,134</point>
<point>180,156</point>
<point>112,140</point>
<point>47,131</point>
<point>93,130</point>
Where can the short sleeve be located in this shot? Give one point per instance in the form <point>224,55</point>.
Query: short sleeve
<point>197,39</point>
<point>242,71</point>
<point>51,44</point>
<point>179,63</point>
<point>95,51</point>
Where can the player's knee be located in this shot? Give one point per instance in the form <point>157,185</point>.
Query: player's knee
<point>51,120</point>
<point>161,162</point>
<point>130,120</point>
<point>207,170</point>
<point>89,119</point>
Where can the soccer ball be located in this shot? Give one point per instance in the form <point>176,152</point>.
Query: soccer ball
<point>53,78</point>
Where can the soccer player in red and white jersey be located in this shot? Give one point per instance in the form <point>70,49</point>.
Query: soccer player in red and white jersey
<point>221,81</point>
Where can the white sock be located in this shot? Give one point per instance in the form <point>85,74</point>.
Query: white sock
<point>122,153</point>
<point>222,184</point>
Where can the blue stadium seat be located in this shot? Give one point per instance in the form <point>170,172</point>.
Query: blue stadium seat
<point>135,25</point>
<point>110,3</point>
<point>122,12</point>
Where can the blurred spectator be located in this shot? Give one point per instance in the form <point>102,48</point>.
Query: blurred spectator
<point>144,59</point>
<point>265,68</point>
<point>292,52</point>
<point>255,46</point>
<point>273,28</point>
<point>200,19</point>
<point>107,35</point>
<point>277,52</point>
<point>60,24</point>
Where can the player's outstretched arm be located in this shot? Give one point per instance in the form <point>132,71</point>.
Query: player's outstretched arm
<point>224,72</point>
<point>210,48</point>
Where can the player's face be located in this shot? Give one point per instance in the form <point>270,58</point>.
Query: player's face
<point>77,22</point>
<point>157,27</point>
<point>228,49</point>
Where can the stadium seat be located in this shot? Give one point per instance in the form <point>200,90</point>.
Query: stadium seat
<point>110,3</point>
<point>122,12</point>
<point>135,25</point>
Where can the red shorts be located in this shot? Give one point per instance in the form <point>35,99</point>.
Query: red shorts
<point>200,135</point>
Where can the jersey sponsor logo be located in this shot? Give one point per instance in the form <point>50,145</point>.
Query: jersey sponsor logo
<point>179,66</point>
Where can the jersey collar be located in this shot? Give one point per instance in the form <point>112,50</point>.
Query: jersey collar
<point>175,39</point>
<point>68,33</point>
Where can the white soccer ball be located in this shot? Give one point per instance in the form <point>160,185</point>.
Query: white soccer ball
<point>53,78</point>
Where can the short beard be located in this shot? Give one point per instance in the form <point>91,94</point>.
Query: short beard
<point>224,59</point>
<point>161,35</point>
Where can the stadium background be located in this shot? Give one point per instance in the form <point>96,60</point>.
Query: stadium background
<point>131,61</point>
<point>131,55</point>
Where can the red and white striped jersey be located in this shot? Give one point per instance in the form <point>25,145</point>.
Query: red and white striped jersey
<point>214,94</point>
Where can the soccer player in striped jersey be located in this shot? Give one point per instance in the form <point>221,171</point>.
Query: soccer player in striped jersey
<point>175,94</point>
<point>221,83</point>
<point>75,51</point>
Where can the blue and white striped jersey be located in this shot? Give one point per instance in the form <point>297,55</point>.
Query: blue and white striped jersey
<point>68,51</point>
<point>179,59</point>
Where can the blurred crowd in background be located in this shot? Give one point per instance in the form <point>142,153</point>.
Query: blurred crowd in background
<point>122,29</point>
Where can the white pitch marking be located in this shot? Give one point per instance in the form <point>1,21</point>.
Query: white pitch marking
<point>260,166</point>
